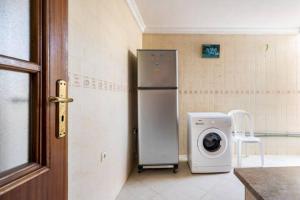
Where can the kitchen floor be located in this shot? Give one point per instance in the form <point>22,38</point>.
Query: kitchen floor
<point>164,185</point>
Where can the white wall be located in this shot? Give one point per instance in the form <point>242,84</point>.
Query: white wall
<point>103,38</point>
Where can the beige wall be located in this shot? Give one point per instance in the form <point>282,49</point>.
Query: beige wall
<point>257,73</point>
<point>103,38</point>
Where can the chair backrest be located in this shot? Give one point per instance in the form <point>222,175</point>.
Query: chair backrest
<point>242,121</point>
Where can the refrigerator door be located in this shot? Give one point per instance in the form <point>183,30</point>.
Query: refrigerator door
<point>157,68</point>
<point>158,128</point>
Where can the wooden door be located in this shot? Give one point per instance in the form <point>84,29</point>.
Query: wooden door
<point>33,56</point>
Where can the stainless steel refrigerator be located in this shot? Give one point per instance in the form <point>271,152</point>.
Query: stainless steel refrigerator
<point>157,108</point>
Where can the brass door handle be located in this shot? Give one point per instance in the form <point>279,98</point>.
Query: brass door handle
<point>60,100</point>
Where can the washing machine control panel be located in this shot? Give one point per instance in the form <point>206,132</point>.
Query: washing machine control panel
<point>205,122</point>
<point>199,122</point>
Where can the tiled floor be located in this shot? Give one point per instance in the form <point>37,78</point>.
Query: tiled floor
<point>164,185</point>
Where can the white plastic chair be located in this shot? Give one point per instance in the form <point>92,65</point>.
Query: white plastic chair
<point>241,120</point>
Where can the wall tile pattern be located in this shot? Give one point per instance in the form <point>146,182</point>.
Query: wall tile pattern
<point>83,81</point>
<point>257,73</point>
<point>103,38</point>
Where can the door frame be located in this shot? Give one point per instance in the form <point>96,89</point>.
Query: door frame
<point>48,63</point>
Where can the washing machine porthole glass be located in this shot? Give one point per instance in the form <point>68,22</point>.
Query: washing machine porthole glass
<point>212,142</point>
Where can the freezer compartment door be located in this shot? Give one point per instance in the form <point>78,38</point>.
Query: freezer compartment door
<point>158,127</point>
<point>157,68</point>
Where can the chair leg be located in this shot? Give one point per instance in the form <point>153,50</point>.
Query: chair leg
<point>246,149</point>
<point>261,153</point>
<point>239,153</point>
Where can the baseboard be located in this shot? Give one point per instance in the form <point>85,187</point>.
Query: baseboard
<point>183,158</point>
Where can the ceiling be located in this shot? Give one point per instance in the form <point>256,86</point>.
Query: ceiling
<point>218,16</point>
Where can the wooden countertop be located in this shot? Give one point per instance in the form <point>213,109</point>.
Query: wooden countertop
<point>271,183</point>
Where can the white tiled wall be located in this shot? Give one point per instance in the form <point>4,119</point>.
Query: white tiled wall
<point>103,38</point>
<point>258,73</point>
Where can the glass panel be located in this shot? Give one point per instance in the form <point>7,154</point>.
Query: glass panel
<point>15,28</point>
<point>14,119</point>
<point>212,142</point>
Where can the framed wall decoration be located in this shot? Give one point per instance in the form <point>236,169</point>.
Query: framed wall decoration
<point>210,51</point>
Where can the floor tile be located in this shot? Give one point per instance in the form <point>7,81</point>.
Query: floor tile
<point>165,185</point>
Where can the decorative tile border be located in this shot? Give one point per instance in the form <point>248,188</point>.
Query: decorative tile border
<point>83,81</point>
<point>240,92</point>
<point>75,80</point>
<point>87,82</point>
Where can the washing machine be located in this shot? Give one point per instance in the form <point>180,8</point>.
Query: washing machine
<point>209,142</point>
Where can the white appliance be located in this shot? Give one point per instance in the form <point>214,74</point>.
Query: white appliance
<point>209,142</point>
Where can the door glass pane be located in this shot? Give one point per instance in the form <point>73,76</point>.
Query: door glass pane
<point>14,119</point>
<point>15,28</point>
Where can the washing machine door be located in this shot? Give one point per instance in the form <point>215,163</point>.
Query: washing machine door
<point>212,143</point>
